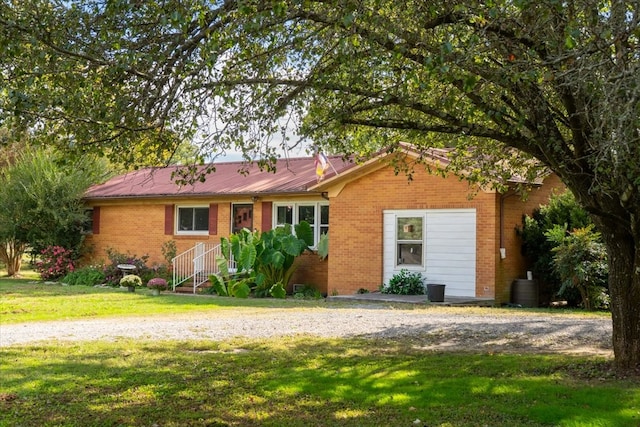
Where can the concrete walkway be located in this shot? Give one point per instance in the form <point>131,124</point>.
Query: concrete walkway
<point>414,299</point>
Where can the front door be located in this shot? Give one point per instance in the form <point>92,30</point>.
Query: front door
<point>242,217</point>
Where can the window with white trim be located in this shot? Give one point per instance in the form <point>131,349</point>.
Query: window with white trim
<point>315,213</point>
<point>192,220</point>
<point>409,241</point>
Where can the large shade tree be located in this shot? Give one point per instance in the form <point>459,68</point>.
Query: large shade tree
<point>514,85</point>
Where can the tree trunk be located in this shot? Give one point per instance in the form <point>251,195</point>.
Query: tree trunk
<point>11,254</point>
<point>624,288</point>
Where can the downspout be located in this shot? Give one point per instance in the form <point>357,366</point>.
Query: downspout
<point>503,197</point>
<point>502,250</point>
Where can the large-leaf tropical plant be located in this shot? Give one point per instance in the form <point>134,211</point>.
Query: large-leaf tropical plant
<point>236,273</point>
<point>276,263</point>
<point>262,262</point>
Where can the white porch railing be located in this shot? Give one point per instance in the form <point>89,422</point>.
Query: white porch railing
<point>196,264</point>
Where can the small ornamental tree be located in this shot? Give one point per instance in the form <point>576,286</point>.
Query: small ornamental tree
<point>580,259</point>
<point>41,206</point>
<point>561,210</point>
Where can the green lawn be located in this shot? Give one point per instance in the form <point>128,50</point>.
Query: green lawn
<point>299,381</point>
<point>26,301</point>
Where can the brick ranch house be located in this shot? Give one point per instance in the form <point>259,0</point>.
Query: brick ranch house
<point>379,221</point>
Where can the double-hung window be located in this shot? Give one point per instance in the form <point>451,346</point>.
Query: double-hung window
<point>409,241</point>
<point>315,213</point>
<point>192,220</point>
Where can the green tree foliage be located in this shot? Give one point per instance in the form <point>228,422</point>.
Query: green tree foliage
<point>515,86</point>
<point>42,205</point>
<point>562,210</point>
<point>9,148</point>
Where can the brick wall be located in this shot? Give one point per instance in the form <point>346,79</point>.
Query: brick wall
<point>357,218</point>
<point>310,270</point>
<point>138,228</point>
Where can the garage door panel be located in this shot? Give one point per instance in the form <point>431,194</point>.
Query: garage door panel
<point>450,227</point>
<point>453,265</point>
<point>450,248</point>
<point>445,252</point>
<point>457,238</point>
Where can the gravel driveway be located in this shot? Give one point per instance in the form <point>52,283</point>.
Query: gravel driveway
<point>437,328</point>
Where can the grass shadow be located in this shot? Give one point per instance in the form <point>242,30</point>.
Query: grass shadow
<point>303,381</point>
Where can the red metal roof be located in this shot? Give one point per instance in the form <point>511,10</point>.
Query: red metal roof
<point>294,175</point>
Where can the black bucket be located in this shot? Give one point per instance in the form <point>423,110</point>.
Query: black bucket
<point>435,292</point>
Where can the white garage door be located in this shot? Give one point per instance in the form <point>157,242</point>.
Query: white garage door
<point>439,243</point>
